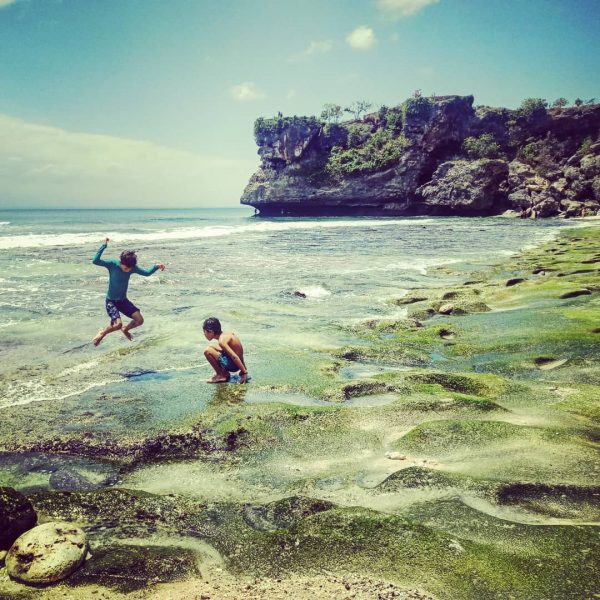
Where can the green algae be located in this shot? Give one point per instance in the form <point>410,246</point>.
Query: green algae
<point>503,507</point>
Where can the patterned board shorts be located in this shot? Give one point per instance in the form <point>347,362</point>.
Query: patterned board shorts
<point>115,307</point>
<point>226,362</point>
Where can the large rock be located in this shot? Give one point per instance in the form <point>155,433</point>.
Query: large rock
<point>292,178</point>
<point>16,516</point>
<point>313,168</point>
<point>467,188</point>
<point>47,553</point>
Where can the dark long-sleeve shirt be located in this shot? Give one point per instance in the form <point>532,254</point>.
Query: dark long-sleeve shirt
<point>118,280</point>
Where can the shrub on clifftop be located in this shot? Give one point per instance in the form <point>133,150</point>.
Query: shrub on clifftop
<point>484,146</point>
<point>418,107</point>
<point>276,125</point>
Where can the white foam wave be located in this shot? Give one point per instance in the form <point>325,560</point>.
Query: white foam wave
<point>27,392</point>
<point>4,223</point>
<point>417,264</point>
<point>314,291</point>
<point>188,233</point>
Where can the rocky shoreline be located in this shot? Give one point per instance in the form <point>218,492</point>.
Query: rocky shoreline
<point>431,156</point>
<point>465,466</point>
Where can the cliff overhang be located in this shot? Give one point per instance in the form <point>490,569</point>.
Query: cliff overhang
<point>438,155</point>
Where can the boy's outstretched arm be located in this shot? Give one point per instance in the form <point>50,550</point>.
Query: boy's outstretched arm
<point>97,260</point>
<point>150,271</point>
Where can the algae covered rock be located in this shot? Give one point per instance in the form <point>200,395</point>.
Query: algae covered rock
<point>16,516</point>
<point>130,568</point>
<point>47,553</point>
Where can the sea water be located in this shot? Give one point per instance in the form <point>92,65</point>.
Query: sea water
<point>288,287</point>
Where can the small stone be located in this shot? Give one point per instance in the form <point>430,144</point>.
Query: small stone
<point>454,545</point>
<point>575,293</point>
<point>514,281</point>
<point>395,456</point>
<point>446,309</point>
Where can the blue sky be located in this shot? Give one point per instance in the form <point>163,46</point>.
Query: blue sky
<point>152,103</point>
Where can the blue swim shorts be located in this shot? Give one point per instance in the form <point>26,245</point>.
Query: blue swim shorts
<point>115,307</point>
<point>226,363</point>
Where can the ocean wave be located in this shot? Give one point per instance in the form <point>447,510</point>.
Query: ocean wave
<point>4,223</point>
<point>314,291</point>
<point>189,233</point>
<point>415,264</point>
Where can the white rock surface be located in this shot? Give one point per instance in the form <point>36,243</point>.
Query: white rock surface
<point>47,553</point>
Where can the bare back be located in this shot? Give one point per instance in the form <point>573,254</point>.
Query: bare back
<point>231,341</point>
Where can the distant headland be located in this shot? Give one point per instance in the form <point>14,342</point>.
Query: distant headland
<point>437,155</point>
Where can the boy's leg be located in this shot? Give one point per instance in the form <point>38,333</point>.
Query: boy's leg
<point>136,321</point>
<point>108,329</point>
<point>115,322</point>
<point>212,356</point>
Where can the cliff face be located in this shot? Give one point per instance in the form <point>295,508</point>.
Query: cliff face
<point>431,156</point>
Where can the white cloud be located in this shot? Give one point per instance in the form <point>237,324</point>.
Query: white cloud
<point>291,94</point>
<point>48,166</point>
<point>314,48</point>
<point>318,47</point>
<point>4,3</point>
<point>404,8</point>
<point>245,92</point>
<point>362,38</point>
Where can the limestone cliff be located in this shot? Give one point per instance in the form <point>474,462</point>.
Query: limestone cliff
<point>431,156</point>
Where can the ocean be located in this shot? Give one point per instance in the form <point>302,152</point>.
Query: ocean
<point>289,287</point>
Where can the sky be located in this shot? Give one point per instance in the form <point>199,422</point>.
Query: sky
<point>147,103</point>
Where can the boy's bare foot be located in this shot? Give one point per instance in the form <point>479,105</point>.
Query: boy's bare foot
<point>98,337</point>
<point>127,335</point>
<point>218,379</point>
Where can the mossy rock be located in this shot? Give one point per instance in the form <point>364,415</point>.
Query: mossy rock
<point>283,514</point>
<point>444,436</point>
<point>409,300</point>
<point>129,568</point>
<point>561,501</point>
<point>465,384</point>
<point>423,478</point>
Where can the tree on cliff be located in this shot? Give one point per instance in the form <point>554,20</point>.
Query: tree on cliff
<point>560,103</point>
<point>332,113</point>
<point>358,107</point>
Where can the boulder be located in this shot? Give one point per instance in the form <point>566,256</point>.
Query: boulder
<point>467,187</point>
<point>446,309</point>
<point>69,479</point>
<point>546,206</point>
<point>47,553</point>
<point>16,516</point>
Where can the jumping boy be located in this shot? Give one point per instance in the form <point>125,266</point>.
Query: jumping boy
<point>227,357</point>
<point>119,273</point>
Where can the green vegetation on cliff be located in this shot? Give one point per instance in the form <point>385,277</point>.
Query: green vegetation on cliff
<point>276,125</point>
<point>367,151</point>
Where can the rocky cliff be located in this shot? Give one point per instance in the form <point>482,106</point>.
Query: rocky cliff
<point>435,155</point>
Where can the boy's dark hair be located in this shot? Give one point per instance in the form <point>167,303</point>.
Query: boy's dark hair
<point>212,324</point>
<point>128,258</point>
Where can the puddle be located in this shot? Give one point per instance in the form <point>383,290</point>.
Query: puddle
<point>372,400</point>
<point>32,471</point>
<point>359,370</point>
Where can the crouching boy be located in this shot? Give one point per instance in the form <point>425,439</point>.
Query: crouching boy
<point>227,356</point>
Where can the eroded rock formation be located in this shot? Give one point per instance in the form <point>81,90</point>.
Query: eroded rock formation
<point>435,155</point>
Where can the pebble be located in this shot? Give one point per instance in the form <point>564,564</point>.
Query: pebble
<point>395,456</point>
